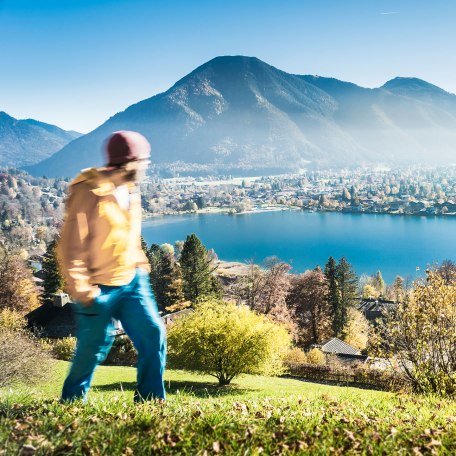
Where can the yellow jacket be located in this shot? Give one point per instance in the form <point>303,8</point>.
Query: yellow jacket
<point>100,242</point>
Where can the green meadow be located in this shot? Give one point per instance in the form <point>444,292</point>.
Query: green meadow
<point>255,415</point>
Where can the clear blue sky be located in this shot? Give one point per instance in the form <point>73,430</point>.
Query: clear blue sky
<point>77,62</point>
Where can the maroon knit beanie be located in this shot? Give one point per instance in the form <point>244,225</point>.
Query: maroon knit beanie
<point>125,146</point>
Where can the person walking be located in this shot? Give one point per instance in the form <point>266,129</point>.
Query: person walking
<point>106,270</point>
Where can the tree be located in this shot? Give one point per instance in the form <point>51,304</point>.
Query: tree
<point>369,291</point>
<point>178,246</point>
<point>309,300</point>
<point>269,293</point>
<point>197,270</point>
<point>154,256</point>
<point>397,290</point>
<point>265,290</point>
<point>18,290</point>
<point>347,285</point>
<point>448,271</point>
<point>419,334</point>
<point>378,283</point>
<point>346,196</point>
<point>333,290</point>
<point>190,206</point>
<point>201,202</point>
<point>145,249</point>
<point>225,341</point>
<point>166,277</point>
<point>52,277</point>
<point>357,329</point>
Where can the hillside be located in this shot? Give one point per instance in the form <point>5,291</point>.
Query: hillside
<point>25,142</point>
<point>256,415</point>
<point>235,113</point>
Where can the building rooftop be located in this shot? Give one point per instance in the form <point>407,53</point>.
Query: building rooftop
<point>339,347</point>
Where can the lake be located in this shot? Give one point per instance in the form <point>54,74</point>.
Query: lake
<point>395,245</point>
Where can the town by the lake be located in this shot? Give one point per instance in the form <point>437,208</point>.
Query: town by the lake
<point>408,191</point>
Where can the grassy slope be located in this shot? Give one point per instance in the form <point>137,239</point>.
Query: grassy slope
<point>257,413</point>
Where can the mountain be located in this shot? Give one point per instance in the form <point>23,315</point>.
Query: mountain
<point>236,113</point>
<point>25,142</point>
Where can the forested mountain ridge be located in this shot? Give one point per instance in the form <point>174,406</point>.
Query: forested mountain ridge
<point>28,141</point>
<point>237,112</point>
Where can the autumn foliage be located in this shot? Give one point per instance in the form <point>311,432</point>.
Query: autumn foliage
<point>420,335</point>
<point>225,341</point>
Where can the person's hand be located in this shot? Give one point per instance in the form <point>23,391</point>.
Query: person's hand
<point>92,301</point>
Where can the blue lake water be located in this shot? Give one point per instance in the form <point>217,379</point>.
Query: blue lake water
<point>396,245</point>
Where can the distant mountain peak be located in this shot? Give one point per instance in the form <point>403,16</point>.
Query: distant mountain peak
<point>236,112</point>
<point>28,141</point>
<point>233,58</point>
<point>230,65</point>
<point>411,84</point>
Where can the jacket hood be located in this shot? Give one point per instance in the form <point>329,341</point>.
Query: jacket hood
<point>99,183</point>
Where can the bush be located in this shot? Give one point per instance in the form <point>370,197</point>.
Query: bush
<point>316,356</point>
<point>22,359</point>
<point>295,356</point>
<point>123,352</point>
<point>359,374</point>
<point>12,320</point>
<point>224,340</point>
<point>63,349</point>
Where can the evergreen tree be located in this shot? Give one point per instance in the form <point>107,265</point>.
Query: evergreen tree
<point>52,278</point>
<point>347,284</point>
<point>145,249</point>
<point>197,270</point>
<point>155,268</point>
<point>166,278</point>
<point>333,291</point>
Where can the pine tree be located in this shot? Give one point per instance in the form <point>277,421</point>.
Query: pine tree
<point>145,249</point>
<point>155,269</point>
<point>347,284</point>
<point>197,270</point>
<point>333,291</point>
<point>52,278</point>
<point>166,278</point>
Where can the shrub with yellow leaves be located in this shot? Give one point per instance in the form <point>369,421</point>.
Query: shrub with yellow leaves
<point>225,340</point>
<point>316,356</point>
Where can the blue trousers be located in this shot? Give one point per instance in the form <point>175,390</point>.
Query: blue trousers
<point>135,307</point>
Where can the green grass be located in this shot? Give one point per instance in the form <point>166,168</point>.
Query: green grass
<point>255,415</point>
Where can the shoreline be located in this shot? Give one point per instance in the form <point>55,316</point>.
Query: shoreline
<point>258,210</point>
